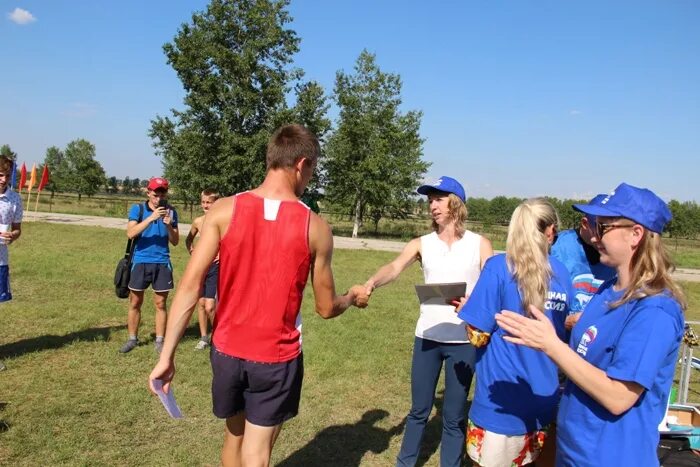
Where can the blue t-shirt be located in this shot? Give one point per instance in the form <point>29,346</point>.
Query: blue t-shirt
<point>152,246</point>
<point>587,275</point>
<point>637,342</point>
<point>516,386</point>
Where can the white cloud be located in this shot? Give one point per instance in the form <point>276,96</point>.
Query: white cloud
<point>575,112</point>
<point>80,110</point>
<point>21,16</point>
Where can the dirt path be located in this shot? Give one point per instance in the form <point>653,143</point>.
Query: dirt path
<point>683,274</point>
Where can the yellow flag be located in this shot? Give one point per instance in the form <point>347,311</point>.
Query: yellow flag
<point>32,178</point>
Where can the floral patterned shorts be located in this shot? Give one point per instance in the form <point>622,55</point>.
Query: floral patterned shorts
<point>490,449</point>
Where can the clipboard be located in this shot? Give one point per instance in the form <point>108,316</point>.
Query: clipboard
<point>442,291</point>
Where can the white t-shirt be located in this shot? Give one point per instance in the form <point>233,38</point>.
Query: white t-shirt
<point>11,212</point>
<point>459,262</point>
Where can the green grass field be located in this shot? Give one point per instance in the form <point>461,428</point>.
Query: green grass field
<point>69,397</point>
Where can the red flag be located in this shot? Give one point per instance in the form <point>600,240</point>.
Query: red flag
<point>44,178</point>
<point>22,176</point>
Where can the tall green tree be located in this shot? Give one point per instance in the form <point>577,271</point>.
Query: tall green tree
<point>85,174</point>
<point>5,150</point>
<point>234,61</point>
<point>60,179</point>
<point>373,159</point>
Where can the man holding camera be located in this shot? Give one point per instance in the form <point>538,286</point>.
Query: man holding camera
<point>153,226</point>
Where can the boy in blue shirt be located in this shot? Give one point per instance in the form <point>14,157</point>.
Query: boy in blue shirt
<point>153,232</point>
<point>11,213</point>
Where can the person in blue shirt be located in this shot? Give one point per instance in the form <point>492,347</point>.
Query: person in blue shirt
<point>622,353</point>
<point>153,231</point>
<point>576,251</point>
<point>516,387</point>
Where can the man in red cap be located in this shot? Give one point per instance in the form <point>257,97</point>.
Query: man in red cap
<point>153,226</point>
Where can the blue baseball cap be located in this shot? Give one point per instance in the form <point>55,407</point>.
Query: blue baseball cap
<point>446,184</point>
<point>638,204</point>
<point>595,201</point>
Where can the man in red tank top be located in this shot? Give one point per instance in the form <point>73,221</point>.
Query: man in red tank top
<point>268,242</point>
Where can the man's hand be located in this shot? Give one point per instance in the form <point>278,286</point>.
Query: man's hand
<point>167,217</point>
<point>157,214</point>
<point>7,237</point>
<point>164,371</point>
<point>360,296</point>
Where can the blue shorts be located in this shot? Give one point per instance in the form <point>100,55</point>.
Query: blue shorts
<point>269,393</point>
<point>5,293</point>
<point>156,275</point>
<point>211,281</point>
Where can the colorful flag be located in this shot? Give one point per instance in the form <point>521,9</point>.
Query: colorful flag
<point>32,177</point>
<point>14,175</point>
<point>44,178</point>
<point>22,177</point>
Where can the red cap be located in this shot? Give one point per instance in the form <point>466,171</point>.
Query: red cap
<point>157,182</point>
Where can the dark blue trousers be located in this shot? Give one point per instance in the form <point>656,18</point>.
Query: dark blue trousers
<point>428,359</point>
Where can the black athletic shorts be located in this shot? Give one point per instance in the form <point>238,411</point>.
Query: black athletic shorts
<point>156,275</point>
<point>269,393</point>
<point>211,281</point>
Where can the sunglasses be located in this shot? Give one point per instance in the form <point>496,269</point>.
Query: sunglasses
<point>601,228</point>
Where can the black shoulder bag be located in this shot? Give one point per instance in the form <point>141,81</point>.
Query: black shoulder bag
<point>123,272</point>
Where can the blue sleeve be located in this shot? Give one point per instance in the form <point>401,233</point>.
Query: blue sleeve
<point>646,341</point>
<point>484,302</point>
<point>134,213</point>
<point>174,219</point>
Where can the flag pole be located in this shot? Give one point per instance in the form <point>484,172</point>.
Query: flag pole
<point>36,203</point>
<point>29,195</point>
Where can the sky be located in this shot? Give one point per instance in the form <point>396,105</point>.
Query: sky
<point>519,98</point>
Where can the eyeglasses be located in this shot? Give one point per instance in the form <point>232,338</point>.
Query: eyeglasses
<point>601,229</point>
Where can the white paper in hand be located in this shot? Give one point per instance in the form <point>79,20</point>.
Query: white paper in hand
<point>168,399</point>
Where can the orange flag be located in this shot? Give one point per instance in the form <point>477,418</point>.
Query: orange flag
<point>44,178</point>
<point>32,177</point>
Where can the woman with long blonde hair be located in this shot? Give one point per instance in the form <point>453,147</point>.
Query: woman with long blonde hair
<point>622,353</point>
<point>450,253</point>
<point>516,387</point>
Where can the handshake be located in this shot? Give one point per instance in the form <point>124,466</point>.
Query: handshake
<point>359,294</point>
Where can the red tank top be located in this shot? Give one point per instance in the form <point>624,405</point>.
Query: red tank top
<point>263,269</point>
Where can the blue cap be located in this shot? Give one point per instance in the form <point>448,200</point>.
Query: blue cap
<point>595,201</point>
<point>638,204</point>
<point>446,184</point>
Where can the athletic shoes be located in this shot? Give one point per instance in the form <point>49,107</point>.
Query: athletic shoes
<point>129,345</point>
<point>202,344</point>
<point>158,346</point>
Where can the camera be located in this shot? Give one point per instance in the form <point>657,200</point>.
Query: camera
<point>162,203</point>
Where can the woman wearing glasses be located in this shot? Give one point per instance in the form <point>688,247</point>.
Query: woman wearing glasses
<point>516,387</point>
<point>622,352</point>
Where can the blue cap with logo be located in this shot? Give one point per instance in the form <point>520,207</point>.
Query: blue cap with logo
<point>638,204</point>
<point>446,184</point>
<point>593,202</point>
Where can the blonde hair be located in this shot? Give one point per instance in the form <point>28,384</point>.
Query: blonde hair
<point>650,272</point>
<point>457,214</point>
<point>527,249</point>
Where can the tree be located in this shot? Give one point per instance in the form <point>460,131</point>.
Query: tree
<point>234,62</point>
<point>374,157</point>
<point>59,179</point>
<point>5,150</point>
<point>112,185</point>
<point>85,174</point>
<point>126,186</point>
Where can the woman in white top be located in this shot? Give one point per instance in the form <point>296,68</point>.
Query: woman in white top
<point>449,254</point>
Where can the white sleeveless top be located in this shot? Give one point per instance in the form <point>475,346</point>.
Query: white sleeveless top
<point>458,263</point>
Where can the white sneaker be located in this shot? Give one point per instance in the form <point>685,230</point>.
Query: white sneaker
<point>201,345</point>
